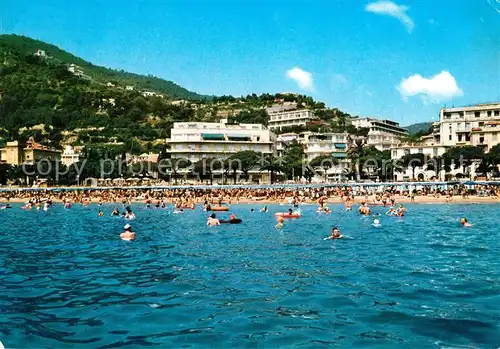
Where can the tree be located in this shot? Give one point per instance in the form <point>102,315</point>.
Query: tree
<point>272,164</point>
<point>252,116</point>
<point>243,161</point>
<point>464,156</point>
<point>438,164</point>
<point>176,164</point>
<point>204,168</point>
<point>413,161</point>
<point>355,150</point>
<point>325,162</point>
<point>293,157</point>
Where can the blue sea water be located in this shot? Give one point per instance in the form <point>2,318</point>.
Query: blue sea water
<point>422,281</point>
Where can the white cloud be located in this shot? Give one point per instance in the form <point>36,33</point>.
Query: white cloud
<point>440,87</point>
<point>303,78</point>
<point>389,8</point>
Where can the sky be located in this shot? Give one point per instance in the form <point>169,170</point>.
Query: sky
<point>402,60</point>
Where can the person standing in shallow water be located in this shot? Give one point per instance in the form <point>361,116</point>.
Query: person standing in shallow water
<point>128,234</point>
<point>213,221</point>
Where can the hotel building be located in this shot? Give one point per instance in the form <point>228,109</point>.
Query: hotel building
<point>318,144</point>
<point>198,140</point>
<point>383,134</point>
<point>280,117</point>
<point>15,153</point>
<point>477,125</point>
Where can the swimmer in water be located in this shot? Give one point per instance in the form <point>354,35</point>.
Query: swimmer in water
<point>129,214</point>
<point>128,234</point>
<point>348,205</point>
<point>335,234</point>
<point>264,209</point>
<point>213,221</point>
<point>391,212</point>
<point>465,223</point>
<point>364,209</point>
<point>401,211</point>
<point>376,223</point>
<point>232,217</point>
<point>115,212</point>
<point>280,223</point>
<point>100,213</point>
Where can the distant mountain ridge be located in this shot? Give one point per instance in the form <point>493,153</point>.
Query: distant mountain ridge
<point>418,127</point>
<point>26,46</point>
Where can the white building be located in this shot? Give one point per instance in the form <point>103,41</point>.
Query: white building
<point>40,53</point>
<point>318,144</point>
<point>69,156</point>
<point>279,118</point>
<point>144,157</point>
<point>383,134</point>
<point>477,125</point>
<point>198,140</point>
<point>129,88</point>
<point>75,69</point>
<point>151,94</point>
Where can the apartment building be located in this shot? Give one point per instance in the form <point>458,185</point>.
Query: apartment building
<point>318,144</point>
<point>281,117</point>
<point>383,134</point>
<point>477,125</point>
<point>198,140</point>
<point>70,156</point>
<point>15,153</point>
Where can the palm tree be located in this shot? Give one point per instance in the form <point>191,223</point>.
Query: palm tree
<point>355,152</point>
<point>176,165</point>
<point>272,164</point>
<point>325,162</point>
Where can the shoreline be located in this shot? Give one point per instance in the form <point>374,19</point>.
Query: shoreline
<point>334,200</point>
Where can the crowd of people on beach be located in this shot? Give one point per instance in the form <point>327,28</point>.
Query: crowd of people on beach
<point>216,199</point>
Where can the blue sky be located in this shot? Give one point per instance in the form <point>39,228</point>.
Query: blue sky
<point>401,60</point>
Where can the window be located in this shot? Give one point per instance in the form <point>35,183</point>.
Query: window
<point>459,138</point>
<point>394,153</point>
<point>435,151</point>
<point>494,137</point>
<point>449,137</point>
<point>481,139</point>
<point>420,150</point>
<point>497,113</point>
<point>467,137</point>
<point>460,113</point>
<point>407,151</point>
<point>477,114</point>
<point>481,124</point>
<point>489,112</point>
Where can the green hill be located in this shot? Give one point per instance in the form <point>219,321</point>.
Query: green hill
<point>26,46</point>
<point>418,127</point>
<point>40,97</point>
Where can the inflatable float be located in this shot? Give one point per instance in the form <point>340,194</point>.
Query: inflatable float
<point>218,208</point>
<point>231,221</point>
<point>287,215</point>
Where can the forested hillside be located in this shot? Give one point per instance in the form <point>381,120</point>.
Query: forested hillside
<point>41,97</point>
<point>27,46</point>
